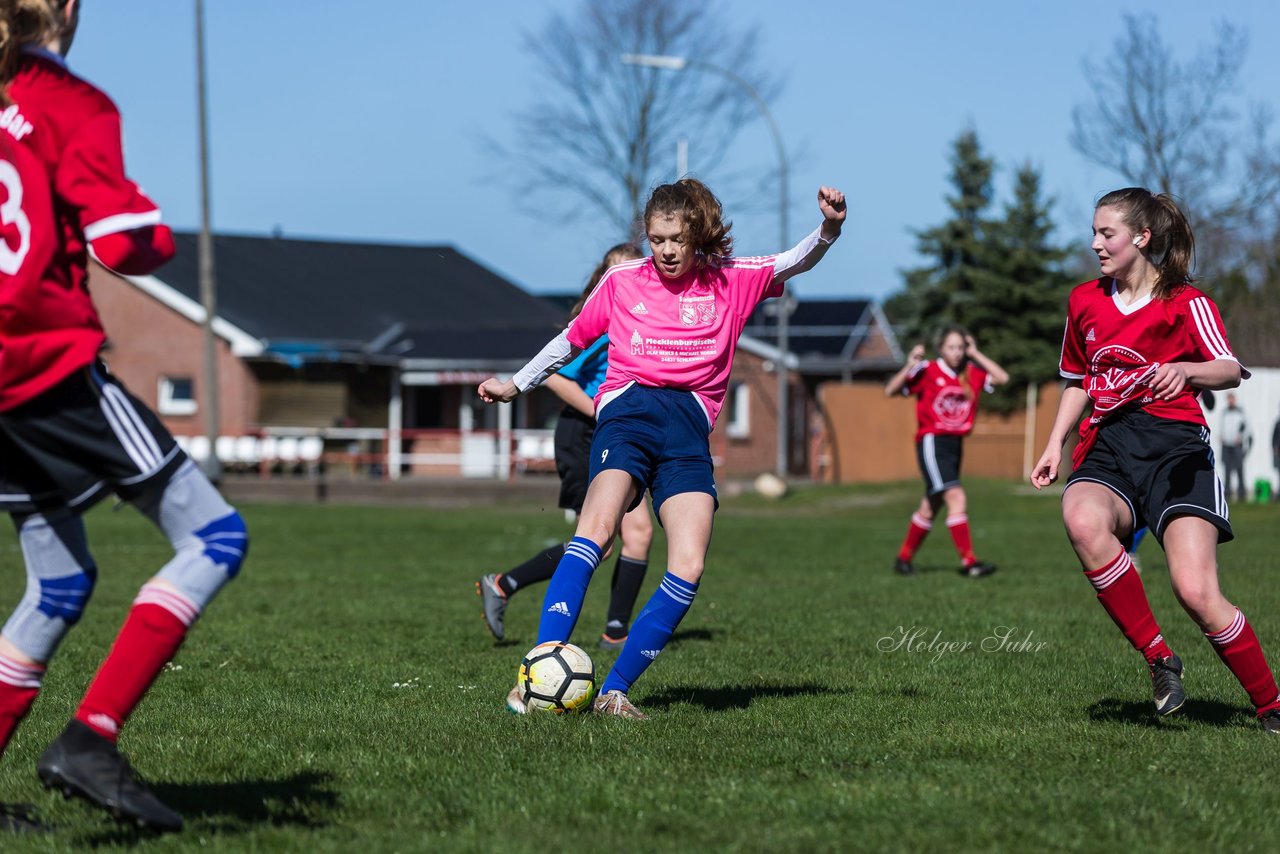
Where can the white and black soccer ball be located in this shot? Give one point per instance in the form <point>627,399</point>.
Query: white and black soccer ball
<point>557,677</point>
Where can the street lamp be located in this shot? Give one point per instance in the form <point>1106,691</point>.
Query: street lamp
<point>680,63</point>
<point>208,284</point>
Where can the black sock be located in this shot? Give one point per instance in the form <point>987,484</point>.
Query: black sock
<point>628,575</point>
<point>540,567</point>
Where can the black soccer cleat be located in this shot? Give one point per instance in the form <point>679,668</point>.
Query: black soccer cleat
<point>1271,722</point>
<point>1166,685</point>
<point>82,763</point>
<point>978,570</point>
<point>903,567</point>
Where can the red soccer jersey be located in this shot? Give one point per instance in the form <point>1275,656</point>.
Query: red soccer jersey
<point>946,402</point>
<point>1116,349</point>
<point>49,327</point>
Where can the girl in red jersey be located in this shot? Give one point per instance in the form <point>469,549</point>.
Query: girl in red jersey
<point>1140,342</point>
<point>946,392</point>
<point>70,433</point>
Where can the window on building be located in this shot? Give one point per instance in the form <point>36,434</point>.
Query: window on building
<point>177,396</point>
<point>739,411</point>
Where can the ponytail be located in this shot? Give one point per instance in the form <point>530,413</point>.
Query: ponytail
<point>1172,247</point>
<point>23,23</point>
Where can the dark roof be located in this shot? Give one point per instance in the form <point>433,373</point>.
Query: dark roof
<point>822,334</point>
<point>395,301</point>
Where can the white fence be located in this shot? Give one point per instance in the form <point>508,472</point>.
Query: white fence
<point>1259,397</point>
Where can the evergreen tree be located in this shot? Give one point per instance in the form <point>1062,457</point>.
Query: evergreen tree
<point>938,294</point>
<point>1000,278</point>
<point>1018,312</point>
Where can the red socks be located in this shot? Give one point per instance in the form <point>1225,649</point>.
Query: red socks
<point>1121,593</point>
<point>958,525</point>
<point>151,635</point>
<point>19,685</point>
<point>1239,649</point>
<point>916,532</point>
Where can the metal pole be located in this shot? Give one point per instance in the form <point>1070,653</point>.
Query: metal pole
<point>680,63</point>
<point>208,284</point>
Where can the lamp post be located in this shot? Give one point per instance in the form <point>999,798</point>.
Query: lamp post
<point>680,63</point>
<point>208,284</point>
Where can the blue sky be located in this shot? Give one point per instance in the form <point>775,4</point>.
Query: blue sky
<point>338,120</point>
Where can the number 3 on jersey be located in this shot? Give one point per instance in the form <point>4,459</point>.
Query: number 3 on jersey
<point>12,216</point>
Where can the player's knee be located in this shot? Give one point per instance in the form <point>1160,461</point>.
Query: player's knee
<point>225,542</point>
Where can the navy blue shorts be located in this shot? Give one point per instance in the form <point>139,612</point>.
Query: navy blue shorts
<point>659,436</point>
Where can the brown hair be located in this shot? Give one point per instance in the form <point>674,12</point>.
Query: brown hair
<point>1172,247</point>
<point>615,255</point>
<point>693,201</point>
<point>963,374</point>
<point>23,23</point>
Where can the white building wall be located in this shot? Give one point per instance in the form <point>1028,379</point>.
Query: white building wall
<point>1259,397</point>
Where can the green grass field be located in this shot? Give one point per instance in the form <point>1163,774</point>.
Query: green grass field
<point>342,695</point>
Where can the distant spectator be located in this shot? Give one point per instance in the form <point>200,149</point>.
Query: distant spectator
<point>1236,443</point>
<point>1275,455</point>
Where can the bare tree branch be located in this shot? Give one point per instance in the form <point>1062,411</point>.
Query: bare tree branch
<point>602,133</point>
<point>1176,125</point>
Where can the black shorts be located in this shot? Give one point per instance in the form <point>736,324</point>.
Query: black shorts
<point>79,441</point>
<point>1161,468</point>
<point>939,460</point>
<point>573,457</point>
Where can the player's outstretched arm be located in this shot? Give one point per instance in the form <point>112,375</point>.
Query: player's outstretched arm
<point>809,251</point>
<point>494,390</point>
<point>1070,408</point>
<point>898,380</point>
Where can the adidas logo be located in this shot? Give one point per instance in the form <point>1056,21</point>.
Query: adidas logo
<point>1091,336</point>
<point>650,654</point>
<point>639,308</point>
<point>560,608</point>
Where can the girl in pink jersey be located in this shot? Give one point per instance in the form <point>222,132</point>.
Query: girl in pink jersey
<point>946,391</point>
<point>1140,342</point>
<point>673,322</point>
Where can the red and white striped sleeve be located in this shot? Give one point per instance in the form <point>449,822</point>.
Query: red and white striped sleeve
<point>1208,334</point>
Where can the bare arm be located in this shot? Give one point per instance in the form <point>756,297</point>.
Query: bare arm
<point>898,380</point>
<point>1070,408</point>
<point>996,374</point>
<point>1173,377</point>
<point>572,394</point>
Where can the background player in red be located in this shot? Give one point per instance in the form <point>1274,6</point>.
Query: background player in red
<point>576,386</point>
<point>70,433</point>
<point>1140,342</point>
<point>946,392</point>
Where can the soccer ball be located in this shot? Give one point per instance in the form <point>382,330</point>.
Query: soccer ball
<point>557,677</point>
<point>771,486</point>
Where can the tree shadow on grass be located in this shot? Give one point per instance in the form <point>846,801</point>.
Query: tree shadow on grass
<point>1111,710</point>
<point>731,696</point>
<point>301,800</point>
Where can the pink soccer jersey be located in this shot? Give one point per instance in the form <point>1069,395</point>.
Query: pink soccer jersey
<point>674,333</point>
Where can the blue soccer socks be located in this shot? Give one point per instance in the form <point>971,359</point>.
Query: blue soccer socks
<point>650,632</point>
<point>567,590</point>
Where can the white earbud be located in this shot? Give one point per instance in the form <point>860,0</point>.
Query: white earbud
<point>1137,241</point>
